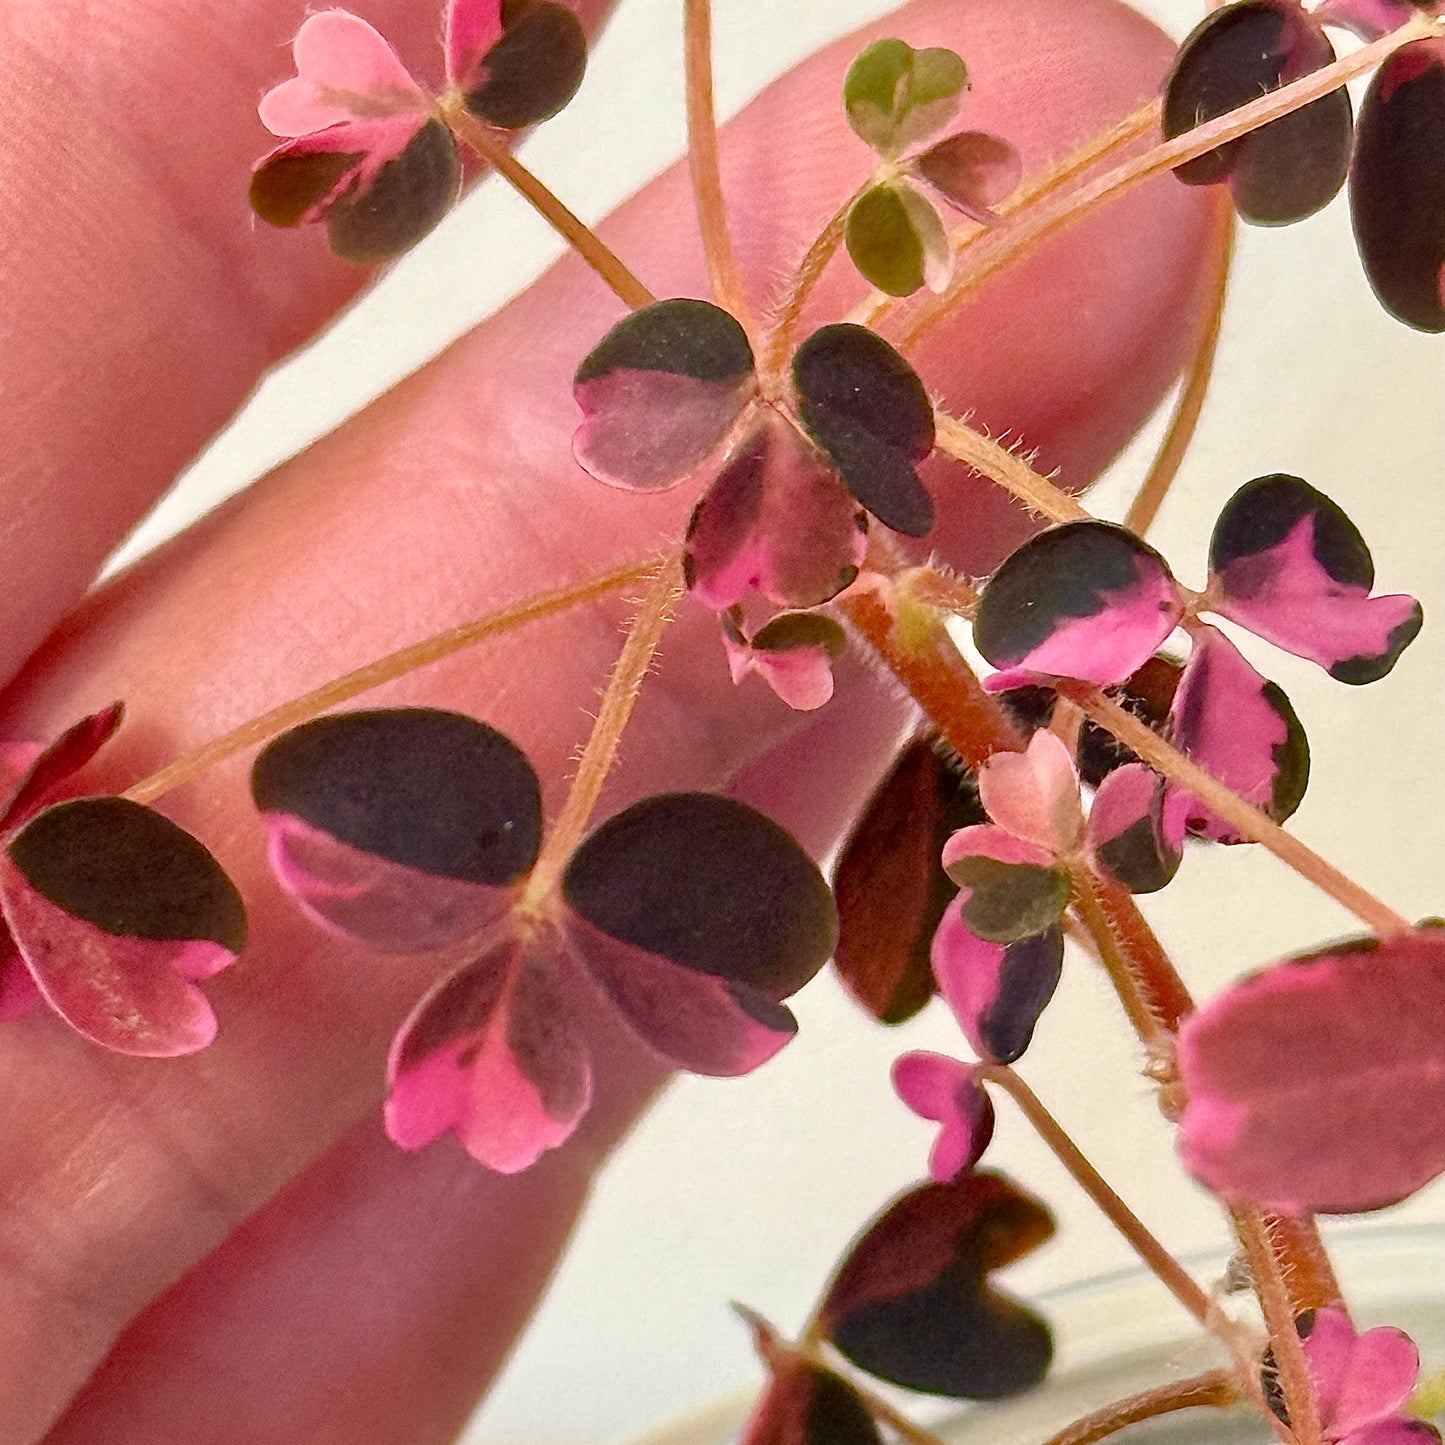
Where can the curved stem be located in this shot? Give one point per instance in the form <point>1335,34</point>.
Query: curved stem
<point>618,699</point>
<point>382,670</point>
<point>1214,1388</point>
<point>1159,1260</point>
<point>1244,817</point>
<point>580,236</point>
<point>705,166</point>
<point>956,439</point>
<point>809,272</point>
<point>1147,501</point>
<point>1002,248</point>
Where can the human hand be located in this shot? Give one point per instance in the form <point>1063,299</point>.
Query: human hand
<point>225,1248</point>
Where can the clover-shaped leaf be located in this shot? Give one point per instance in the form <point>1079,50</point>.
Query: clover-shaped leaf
<point>493,1054</point>
<point>1289,565</point>
<point>793,653</point>
<point>866,408</point>
<point>118,913</point>
<point>913,1303</point>
<point>698,915</point>
<point>973,171</point>
<point>949,1093</point>
<point>1088,600</point>
<point>1290,168</point>
<point>897,240</point>
<point>896,96</point>
<point>1295,1111</point>
<point>400,827</point>
<point>1397,185</point>
<point>890,884</point>
<point>516,62</point>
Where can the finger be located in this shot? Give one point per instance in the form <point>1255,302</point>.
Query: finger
<point>139,301</point>
<point>451,495</point>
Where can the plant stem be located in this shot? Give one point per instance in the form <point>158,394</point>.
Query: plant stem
<point>382,670</point>
<point>1280,1313</point>
<point>618,699</point>
<point>1244,817</point>
<point>879,308</point>
<point>1214,1388</point>
<point>580,236</point>
<point>956,439</point>
<point>704,164</point>
<point>809,272</point>
<point>1144,1244</point>
<point>1003,247</point>
<point>1165,993</point>
<point>1146,503</point>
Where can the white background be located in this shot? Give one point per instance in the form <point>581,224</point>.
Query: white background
<point>748,1189</point>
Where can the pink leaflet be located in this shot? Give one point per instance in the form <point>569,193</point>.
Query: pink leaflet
<point>1112,644</point>
<point>16,760</point>
<point>1318,1085</point>
<point>1359,1380</point>
<point>947,1092</point>
<point>345,71</point>
<point>698,1021</point>
<point>1127,829</point>
<point>1285,596</point>
<point>987,841</point>
<point>973,171</point>
<point>996,991</point>
<point>649,430</point>
<point>802,676</point>
<point>1221,717</point>
<point>1034,795</point>
<point>493,1054</point>
<point>776,519</point>
<point>1369,19</point>
<point>50,765</point>
<point>383,904</point>
<point>133,995</point>
<point>473,28</point>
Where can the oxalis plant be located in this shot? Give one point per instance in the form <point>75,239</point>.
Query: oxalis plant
<point>1116,727</point>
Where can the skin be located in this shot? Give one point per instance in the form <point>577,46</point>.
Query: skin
<point>225,1248</point>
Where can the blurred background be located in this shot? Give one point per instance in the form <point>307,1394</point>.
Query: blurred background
<point>749,1189</point>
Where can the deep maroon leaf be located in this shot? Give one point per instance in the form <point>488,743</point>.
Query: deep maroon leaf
<point>1291,167</point>
<point>776,520</point>
<point>891,886</point>
<point>380,185</point>
<point>805,1405</point>
<point>1289,565</point>
<point>1148,694</point>
<point>494,1055</point>
<point>865,406</point>
<point>660,392</point>
<point>533,70</point>
<point>401,827</point>
<point>1397,185</point>
<point>70,752</point>
<point>1319,1084</point>
<point>912,1302</point>
<point>710,884</point>
<point>117,912</point>
<point>1087,600</point>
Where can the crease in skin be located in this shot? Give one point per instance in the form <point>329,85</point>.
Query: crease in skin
<point>301,1012</point>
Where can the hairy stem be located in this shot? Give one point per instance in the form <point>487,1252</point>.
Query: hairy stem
<point>576,232</point>
<point>704,165</point>
<point>1002,248</point>
<point>1197,376</point>
<point>1278,1303</point>
<point>618,699</point>
<point>956,439</point>
<point>805,278</point>
<point>1144,1244</point>
<point>1214,1389</point>
<point>382,670</point>
<point>1244,817</point>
